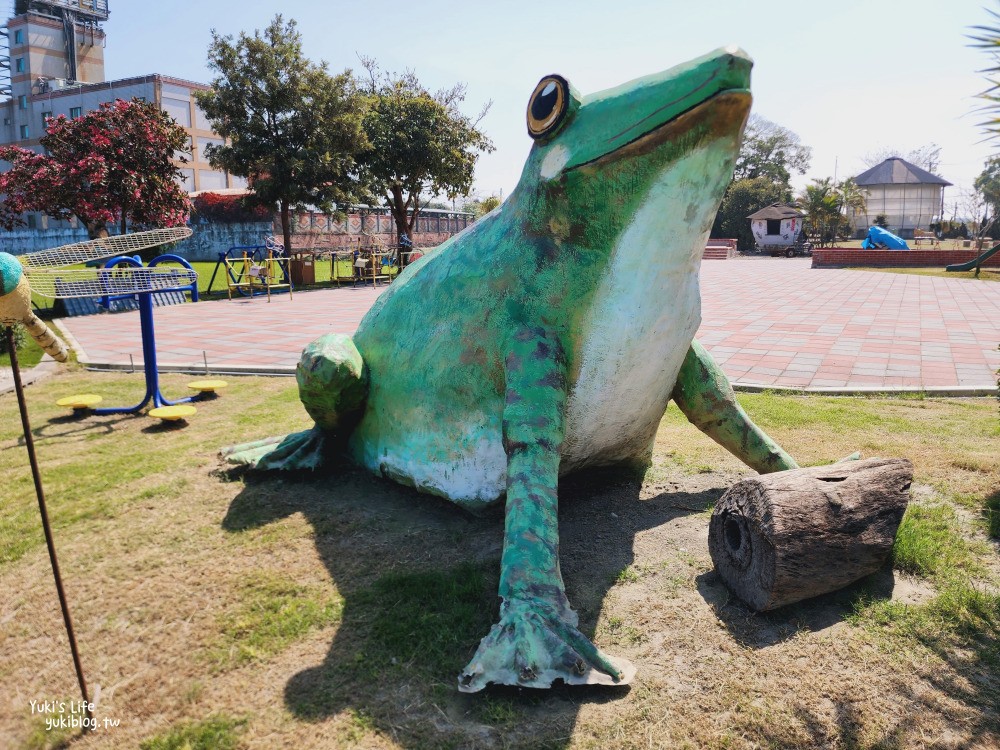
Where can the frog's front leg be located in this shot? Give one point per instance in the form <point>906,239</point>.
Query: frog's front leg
<point>536,641</point>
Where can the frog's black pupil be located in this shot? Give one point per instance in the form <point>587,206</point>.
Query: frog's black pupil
<point>544,103</point>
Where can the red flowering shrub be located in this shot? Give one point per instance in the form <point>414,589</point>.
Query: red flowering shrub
<point>227,209</point>
<point>111,165</point>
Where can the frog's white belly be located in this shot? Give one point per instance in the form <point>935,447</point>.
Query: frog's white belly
<point>642,321</point>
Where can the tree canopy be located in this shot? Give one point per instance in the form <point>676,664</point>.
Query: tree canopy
<point>771,151</point>
<point>420,144</point>
<point>292,129</point>
<point>823,202</point>
<point>113,164</point>
<point>742,198</point>
<point>926,157</point>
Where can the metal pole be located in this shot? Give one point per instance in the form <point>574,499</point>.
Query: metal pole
<point>29,443</point>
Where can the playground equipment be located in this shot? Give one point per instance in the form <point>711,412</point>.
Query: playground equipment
<point>121,277</point>
<point>883,239</point>
<point>374,261</point>
<point>976,262</point>
<point>124,277</point>
<point>254,269</point>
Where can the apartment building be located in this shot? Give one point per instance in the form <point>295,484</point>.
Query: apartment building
<point>53,64</point>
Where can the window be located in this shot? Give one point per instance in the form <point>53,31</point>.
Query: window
<point>19,36</point>
<point>773,227</point>
<point>19,65</point>
<point>75,112</point>
<point>32,221</point>
<point>22,101</point>
<point>24,131</point>
<point>45,116</point>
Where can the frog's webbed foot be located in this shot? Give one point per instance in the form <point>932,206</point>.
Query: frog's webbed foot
<point>535,645</point>
<point>299,450</point>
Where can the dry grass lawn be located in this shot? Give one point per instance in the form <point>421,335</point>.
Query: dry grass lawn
<point>218,610</point>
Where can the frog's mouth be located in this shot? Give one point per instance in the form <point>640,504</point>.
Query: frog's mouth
<point>721,115</point>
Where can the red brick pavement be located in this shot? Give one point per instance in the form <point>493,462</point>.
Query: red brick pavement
<point>771,322</point>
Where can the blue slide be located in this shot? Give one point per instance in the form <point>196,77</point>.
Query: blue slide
<point>879,238</point>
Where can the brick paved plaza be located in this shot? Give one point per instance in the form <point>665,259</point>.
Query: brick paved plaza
<point>769,322</point>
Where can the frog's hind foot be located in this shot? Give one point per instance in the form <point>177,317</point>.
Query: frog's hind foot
<point>533,646</point>
<point>299,450</point>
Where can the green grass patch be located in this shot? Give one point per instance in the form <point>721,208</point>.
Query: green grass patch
<point>991,509</point>
<point>273,613</point>
<point>929,542</point>
<point>94,467</point>
<point>216,733</point>
<point>41,738</point>
<point>28,355</point>
<point>429,619</point>
<point>960,615</point>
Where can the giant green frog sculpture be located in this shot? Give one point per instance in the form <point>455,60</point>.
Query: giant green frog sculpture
<point>545,338</point>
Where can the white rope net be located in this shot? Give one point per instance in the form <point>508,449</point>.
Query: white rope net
<point>62,283</point>
<point>104,247</point>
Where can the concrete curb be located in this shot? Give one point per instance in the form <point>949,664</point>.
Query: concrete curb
<point>938,391</point>
<point>197,369</point>
<point>47,366</point>
<point>956,391</point>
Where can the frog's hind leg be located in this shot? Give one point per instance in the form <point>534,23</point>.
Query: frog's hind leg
<point>536,641</point>
<point>705,396</point>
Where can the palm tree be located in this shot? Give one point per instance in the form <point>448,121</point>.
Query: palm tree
<point>987,38</point>
<point>822,203</point>
<point>853,199</point>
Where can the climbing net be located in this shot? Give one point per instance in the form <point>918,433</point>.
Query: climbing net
<point>103,247</point>
<point>63,283</point>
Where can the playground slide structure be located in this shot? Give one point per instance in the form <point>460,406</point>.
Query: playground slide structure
<point>976,262</point>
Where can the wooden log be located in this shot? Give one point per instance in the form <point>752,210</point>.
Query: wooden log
<point>783,537</point>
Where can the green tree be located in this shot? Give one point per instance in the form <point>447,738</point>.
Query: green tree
<point>742,198</point>
<point>853,201</point>
<point>481,206</point>
<point>988,184</point>
<point>292,129</point>
<point>421,144</point>
<point>823,203</point>
<point>772,151</point>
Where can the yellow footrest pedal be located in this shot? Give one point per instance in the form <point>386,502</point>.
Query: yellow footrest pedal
<point>81,401</point>
<point>172,413</point>
<point>207,385</point>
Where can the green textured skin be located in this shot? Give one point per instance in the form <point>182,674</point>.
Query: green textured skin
<point>10,273</point>
<point>704,395</point>
<point>333,382</point>
<point>475,354</point>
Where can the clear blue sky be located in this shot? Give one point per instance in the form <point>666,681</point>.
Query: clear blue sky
<point>849,77</point>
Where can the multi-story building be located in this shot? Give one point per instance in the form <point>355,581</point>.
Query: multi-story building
<point>55,61</point>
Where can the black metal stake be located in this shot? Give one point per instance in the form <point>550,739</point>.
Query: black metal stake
<point>29,443</point>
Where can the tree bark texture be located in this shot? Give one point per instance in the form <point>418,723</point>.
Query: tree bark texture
<point>783,537</point>
<point>286,227</point>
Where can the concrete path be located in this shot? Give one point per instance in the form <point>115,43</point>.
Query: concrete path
<point>46,367</point>
<point>769,322</point>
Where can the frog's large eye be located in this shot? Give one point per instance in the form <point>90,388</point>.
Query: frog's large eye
<point>548,106</point>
